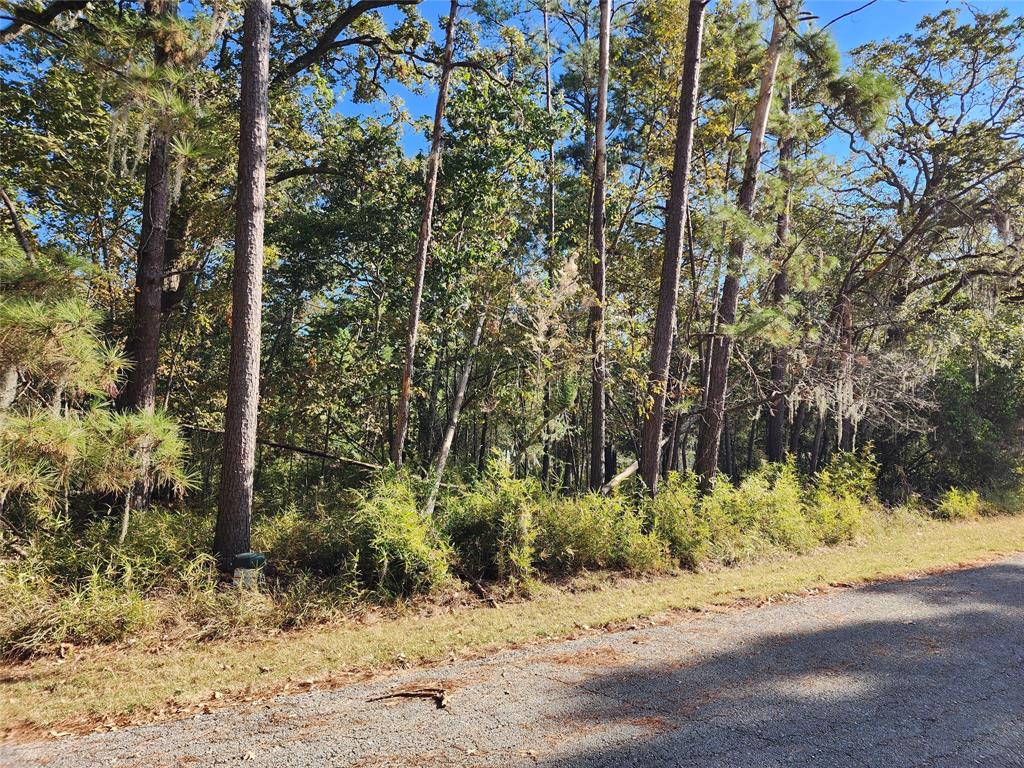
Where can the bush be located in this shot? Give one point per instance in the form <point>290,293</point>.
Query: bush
<point>39,616</point>
<point>577,533</point>
<point>319,541</point>
<point>680,521</point>
<point>771,505</point>
<point>851,474</point>
<point>594,531</point>
<point>836,519</point>
<point>73,583</point>
<point>492,526</point>
<point>1005,500</point>
<point>763,514</point>
<point>396,548</point>
<point>636,550</point>
<point>955,504</point>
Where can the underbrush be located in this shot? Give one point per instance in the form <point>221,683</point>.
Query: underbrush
<point>73,584</point>
<point>956,504</point>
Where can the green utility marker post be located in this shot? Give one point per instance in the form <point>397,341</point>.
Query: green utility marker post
<point>249,569</point>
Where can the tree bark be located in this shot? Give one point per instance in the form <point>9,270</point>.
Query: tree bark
<point>597,397</point>
<point>481,456</point>
<point>549,108</point>
<point>453,418</point>
<point>143,344</point>
<point>776,441</point>
<point>675,225</point>
<point>423,244</point>
<point>796,428</point>
<point>845,322</point>
<point>234,513</point>
<point>709,439</point>
<point>20,235</point>
<point>9,376</point>
<point>819,441</point>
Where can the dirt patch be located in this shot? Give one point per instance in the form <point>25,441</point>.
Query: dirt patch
<point>603,656</point>
<point>651,724</point>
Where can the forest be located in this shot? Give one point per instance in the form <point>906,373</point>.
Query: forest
<point>412,297</point>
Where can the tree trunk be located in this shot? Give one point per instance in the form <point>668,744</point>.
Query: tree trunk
<point>8,387</point>
<point>549,108</point>
<point>175,286</point>
<point>819,441</point>
<point>9,376</point>
<point>453,418</point>
<point>796,428</point>
<point>20,235</point>
<point>481,456</point>
<point>423,244</point>
<point>234,513</point>
<point>597,397</point>
<point>706,462</point>
<point>750,439</point>
<point>780,291</point>
<point>845,322</point>
<point>727,465</point>
<point>143,344</point>
<point>427,420</point>
<point>675,225</point>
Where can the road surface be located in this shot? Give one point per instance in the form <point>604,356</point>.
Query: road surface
<point>928,672</point>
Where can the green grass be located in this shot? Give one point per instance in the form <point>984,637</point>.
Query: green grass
<point>139,681</point>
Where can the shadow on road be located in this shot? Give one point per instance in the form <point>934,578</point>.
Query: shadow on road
<point>927,672</point>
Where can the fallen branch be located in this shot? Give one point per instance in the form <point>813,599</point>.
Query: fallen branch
<point>439,696</point>
<point>479,588</point>
<point>337,460</point>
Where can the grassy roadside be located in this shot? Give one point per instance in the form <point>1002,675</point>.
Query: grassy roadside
<point>132,684</point>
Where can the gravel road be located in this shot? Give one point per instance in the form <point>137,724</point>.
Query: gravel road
<point>927,672</point>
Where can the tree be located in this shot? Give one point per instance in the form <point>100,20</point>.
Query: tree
<point>706,462</point>
<point>423,243</point>
<point>675,226</point>
<point>144,335</point>
<point>234,512</point>
<point>24,16</point>
<point>456,411</point>
<point>53,456</point>
<point>600,262</point>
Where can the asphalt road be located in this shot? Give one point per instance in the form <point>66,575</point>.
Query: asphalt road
<point>927,672</point>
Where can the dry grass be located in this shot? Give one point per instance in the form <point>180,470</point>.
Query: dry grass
<point>102,687</point>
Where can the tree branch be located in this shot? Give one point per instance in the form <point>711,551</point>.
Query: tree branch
<point>328,40</point>
<point>22,17</point>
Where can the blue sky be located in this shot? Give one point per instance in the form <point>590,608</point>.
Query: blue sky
<point>883,19</point>
<point>888,18</point>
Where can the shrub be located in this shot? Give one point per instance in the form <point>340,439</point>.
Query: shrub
<point>396,548</point>
<point>765,513</point>
<point>469,520</point>
<point>851,474</point>
<point>766,510</point>
<point>773,497</point>
<point>319,540</point>
<point>1006,500</point>
<point>636,550</point>
<point>582,532</point>
<point>39,616</point>
<point>836,519</point>
<point>680,521</point>
<point>956,504</point>
<point>728,543</point>
<point>492,525</point>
